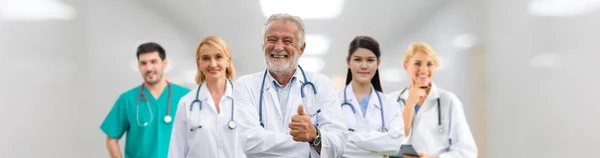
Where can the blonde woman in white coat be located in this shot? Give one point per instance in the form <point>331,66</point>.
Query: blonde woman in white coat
<point>434,118</point>
<point>205,124</point>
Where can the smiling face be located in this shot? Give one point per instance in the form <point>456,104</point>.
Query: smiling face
<point>213,59</point>
<point>421,68</point>
<point>281,46</point>
<point>212,62</point>
<point>151,67</point>
<point>363,64</point>
<point>420,62</point>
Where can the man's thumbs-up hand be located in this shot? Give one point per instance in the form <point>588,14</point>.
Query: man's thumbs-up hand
<point>300,110</point>
<point>301,128</point>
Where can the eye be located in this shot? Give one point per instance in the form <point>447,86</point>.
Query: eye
<point>219,56</point>
<point>418,63</point>
<point>371,60</point>
<point>287,42</point>
<point>357,59</point>
<point>429,64</point>
<point>204,58</point>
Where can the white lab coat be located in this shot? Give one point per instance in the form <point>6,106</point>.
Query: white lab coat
<point>456,141</point>
<point>367,140</point>
<point>214,139</point>
<point>274,140</point>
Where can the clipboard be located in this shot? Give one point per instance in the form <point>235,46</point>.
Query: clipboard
<point>408,149</point>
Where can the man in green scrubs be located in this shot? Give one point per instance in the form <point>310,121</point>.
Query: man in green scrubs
<point>145,112</point>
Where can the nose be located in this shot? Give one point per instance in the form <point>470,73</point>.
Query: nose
<point>146,67</point>
<point>278,46</point>
<point>363,65</point>
<point>213,63</point>
<point>423,68</point>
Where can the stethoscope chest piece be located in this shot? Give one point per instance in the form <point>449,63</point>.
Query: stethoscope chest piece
<point>232,124</point>
<point>440,129</point>
<point>383,130</point>
<point>168,119</point>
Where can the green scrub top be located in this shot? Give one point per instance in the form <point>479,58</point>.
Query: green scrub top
<point>151,141</point>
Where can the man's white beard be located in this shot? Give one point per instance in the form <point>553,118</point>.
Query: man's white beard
<point>282,67</point>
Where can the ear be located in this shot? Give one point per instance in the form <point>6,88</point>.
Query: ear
<point>302,48</point>
<point>378,62</point>
<point>139,64</point>
<point>348,62</point>
<point>229,62</point>
<point>405,67</point>
<point>165,63</point>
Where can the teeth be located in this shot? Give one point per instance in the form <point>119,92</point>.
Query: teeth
<point>278,56</point>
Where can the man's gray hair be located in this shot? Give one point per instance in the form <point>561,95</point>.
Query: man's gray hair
<point>286,17</point>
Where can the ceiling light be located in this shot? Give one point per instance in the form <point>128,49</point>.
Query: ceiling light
<point>392,75</point>
<point>306,9</point>
<point>312,64</point>
<point>35,10</point>
<point>562,7</point>
<point>464,41</point>
<point>317,44</point>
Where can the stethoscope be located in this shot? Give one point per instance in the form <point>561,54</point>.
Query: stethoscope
<point>383,128</point>
<point>306,82</point>
<point>440,129</point>
<point>167,119</point>
<point>231,124</point>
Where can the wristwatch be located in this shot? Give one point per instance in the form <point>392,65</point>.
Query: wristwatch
<point>317,140</point>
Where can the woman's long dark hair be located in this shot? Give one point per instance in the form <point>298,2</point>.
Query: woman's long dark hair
<point>371,44</point>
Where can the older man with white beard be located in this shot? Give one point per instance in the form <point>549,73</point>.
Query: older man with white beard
<point>285,111</point>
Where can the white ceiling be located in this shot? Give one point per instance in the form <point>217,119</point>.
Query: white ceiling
<point>240,23</point>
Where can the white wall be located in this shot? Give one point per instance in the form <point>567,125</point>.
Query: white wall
<point>550,110</point>
<point>63,77</point>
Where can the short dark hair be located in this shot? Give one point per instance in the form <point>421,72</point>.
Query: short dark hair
<point>371,44</point>
<point>150,47</point>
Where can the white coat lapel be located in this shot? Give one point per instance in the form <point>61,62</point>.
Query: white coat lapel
<point>429,103</point>
<point>310,106</point>
<point>358,115</point>
<point>350,98</point>
<point>295,98</point>
<point>206,98</point>
<point>272,92</point>
<point>292,102</point>
<point>374,100</point>
<point>373,108</point>
<point>354,101</point>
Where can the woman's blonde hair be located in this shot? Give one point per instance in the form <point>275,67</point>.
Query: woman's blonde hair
<point>220,45</point>
<point>415,48</point>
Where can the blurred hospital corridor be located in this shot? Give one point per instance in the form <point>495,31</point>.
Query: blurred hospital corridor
<point>526,71</point>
